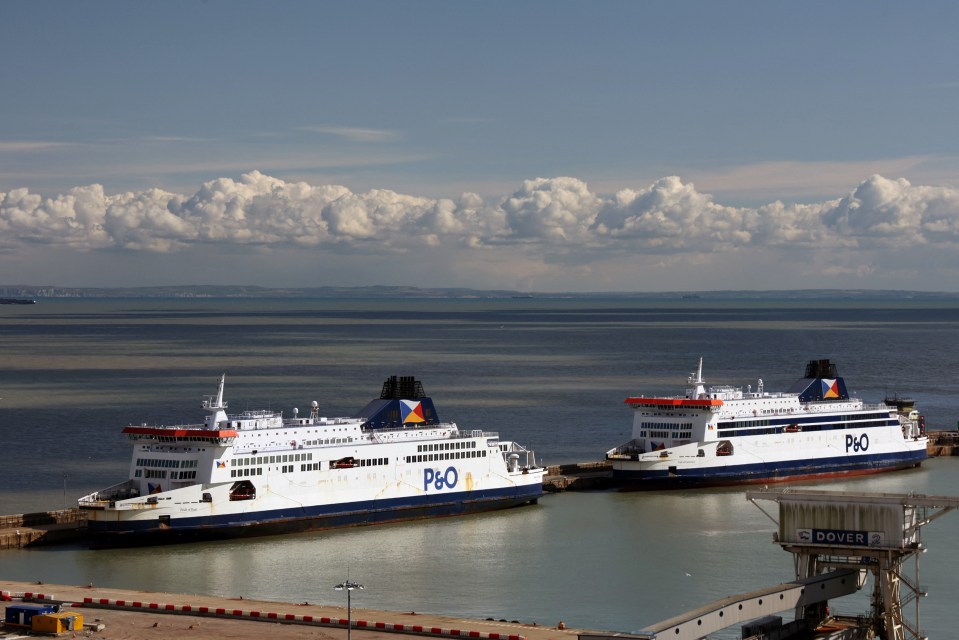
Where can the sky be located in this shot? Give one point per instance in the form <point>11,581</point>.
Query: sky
<point>530,145</point>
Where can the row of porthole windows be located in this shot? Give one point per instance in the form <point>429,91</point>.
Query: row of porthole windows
<point>312,466</point>
<point>452,455</point>
<point>447,446</point>
<point>150,473</point>
<point>169,464</point>
<point>675,435</point>
<point>291,457</point>
<point>748,429</point>
<point>328,441</point>
<point>666,425</point>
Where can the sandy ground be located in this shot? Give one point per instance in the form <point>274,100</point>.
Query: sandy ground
<point>130,625</point>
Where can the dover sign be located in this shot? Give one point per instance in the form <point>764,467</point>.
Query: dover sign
<point>840,537</point>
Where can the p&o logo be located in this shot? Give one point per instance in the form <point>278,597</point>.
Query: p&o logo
<point>440,480</point>
<point>856,444</point>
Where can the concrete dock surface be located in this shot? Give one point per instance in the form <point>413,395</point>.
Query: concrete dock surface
<point>162,615</point>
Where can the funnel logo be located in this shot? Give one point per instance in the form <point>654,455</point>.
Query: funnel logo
<point>412,411</point>
<point>830,389</point>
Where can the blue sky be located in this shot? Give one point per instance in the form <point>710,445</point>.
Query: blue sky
<point>533,145</point>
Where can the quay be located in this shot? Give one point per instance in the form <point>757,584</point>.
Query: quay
<point>121,614</point>
<point>840,542</point>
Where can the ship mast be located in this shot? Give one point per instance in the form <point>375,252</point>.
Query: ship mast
<point>697,379</point>
<point>217,405</point>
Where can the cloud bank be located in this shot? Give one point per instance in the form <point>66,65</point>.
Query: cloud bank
<point>551,220</point>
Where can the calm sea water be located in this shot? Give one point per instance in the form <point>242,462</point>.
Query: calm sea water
<point>551,374</point>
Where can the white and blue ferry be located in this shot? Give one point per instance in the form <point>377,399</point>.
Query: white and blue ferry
<point>258,473</point>
<point>725,435</point>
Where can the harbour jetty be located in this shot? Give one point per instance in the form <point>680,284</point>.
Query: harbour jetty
<point>943,443</point>
<point>44,527</point>
<point>578,476</point>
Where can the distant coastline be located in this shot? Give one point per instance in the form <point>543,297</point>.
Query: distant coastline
<point>34,292</point>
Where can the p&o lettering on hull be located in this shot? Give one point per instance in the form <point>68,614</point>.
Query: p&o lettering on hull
<point>440,480</point>
<point>857,444</point>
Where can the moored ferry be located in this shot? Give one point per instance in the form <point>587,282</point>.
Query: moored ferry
<point>258,473</point>
<point>726,435</point>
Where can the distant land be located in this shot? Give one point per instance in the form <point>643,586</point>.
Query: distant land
<point>35,292</point>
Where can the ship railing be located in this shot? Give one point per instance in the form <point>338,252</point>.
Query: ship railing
<point>455,431</point>
<point>193,426</point>
<point>629,450</point>
<point>475,433</point>
<point>255,414</point>
<point>512,451</point>
<point>121,491</point>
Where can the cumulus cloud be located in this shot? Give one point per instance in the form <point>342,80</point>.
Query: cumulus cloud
<point>556,217</point>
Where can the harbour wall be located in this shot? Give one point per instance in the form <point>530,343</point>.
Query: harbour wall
<point>578,476</point>
<point>943,443</point>
<point>43,527</point>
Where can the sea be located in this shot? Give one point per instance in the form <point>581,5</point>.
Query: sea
<point>550,373</point>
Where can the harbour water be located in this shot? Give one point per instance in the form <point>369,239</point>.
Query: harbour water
<point>551,374</point>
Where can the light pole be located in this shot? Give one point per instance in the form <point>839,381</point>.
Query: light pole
<point>349,585</point>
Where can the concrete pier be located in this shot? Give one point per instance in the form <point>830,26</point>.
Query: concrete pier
<point>44,527</point>
<point>579,476</point>
<point>943,443</point>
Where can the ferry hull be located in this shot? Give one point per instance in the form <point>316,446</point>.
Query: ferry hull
<point>769,472</point>
<point>724,435</point>
<point>144,532</point>
<point>257,473</point>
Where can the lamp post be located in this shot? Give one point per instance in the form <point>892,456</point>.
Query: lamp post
<point>348,586</point>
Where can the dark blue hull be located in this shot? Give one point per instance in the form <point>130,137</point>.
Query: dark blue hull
<point>219,527</point>
<point>781,471</point>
